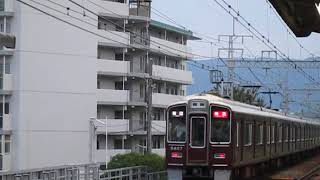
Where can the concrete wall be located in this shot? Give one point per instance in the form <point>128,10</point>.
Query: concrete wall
<point>54,83</point>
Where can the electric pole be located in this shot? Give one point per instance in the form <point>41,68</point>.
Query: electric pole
<point>149,105</point>
<point>231,54</point>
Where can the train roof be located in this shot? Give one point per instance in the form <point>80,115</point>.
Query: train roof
<point>249,109</point>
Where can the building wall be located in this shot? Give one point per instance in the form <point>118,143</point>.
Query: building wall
<point>54,91</point>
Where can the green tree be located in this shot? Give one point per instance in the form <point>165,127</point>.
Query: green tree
<point>153,162</point>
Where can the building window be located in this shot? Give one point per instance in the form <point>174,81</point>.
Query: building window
<point>101,141</point>
<point>141,90</point>
<point>156,142</point>
<point>248,134</point>
<point>6,108</point>
<point>181,92</point>
<point>156,114</point>
<point>118,144</point>
<point>142,118</point>
<point>1,5</point>
<point>121,114</point>
<point>98,84</point>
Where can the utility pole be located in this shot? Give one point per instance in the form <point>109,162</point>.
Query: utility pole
<point>231,54</point>
<point>149,106</point>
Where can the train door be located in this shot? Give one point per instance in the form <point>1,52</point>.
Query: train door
<point>197,148</point>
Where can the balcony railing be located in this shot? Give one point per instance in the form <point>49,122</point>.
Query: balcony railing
<point>111,96</point>
<point>163,100</point>
<point>115,125</point>
<point>6,82</point>
<point>5,122</point>
<point>171,74</point>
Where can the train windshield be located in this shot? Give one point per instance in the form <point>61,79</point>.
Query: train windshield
<point>220,126</point>
<point>177,124</point>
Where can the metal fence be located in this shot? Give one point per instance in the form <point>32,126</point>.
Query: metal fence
<point>133,173</point>
<point>84,172</point>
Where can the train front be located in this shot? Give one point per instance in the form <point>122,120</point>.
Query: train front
<point>198,140</point>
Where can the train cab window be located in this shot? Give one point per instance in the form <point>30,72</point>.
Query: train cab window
<point>198,131</point>
<point>177,124</point>
<point>247,134</point>
<point>220,126</point>
<point>259,134</point>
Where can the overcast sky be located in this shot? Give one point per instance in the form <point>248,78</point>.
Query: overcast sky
<point>205,16</point>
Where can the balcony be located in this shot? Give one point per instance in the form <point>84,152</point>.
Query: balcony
<point>112,67</point>
<point>6,83</point>
<point>171,74</point>
<point>113,38</point>
<point>159,127</point>
<point>6,162</point>
<point>100,155</point>
<point>164,100</point>
<point>170,48</point>
<point>114,126</point>
<point>105,8</point>
<point>6,122</point>
<point>112,97</point>
<point>6,6</point>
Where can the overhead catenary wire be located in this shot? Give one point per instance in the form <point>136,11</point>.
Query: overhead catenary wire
<point>290,32</point>
<point>249,27</point>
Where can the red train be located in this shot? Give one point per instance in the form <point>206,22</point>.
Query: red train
<point>212,137</point>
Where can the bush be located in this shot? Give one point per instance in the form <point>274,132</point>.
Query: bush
<point>153,162</point>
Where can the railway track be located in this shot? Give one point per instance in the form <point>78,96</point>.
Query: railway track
<point>306,170</point>
<point>313,174</point>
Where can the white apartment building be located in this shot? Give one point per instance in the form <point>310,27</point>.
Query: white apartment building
<point>59,76</point>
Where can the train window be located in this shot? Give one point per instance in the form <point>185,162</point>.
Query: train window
<point>177,124</point>
<point>272,134</point>
<point>220,125</point>
<point>302,133</point>
<point>238,135</point>
<point>259,134</point>
<point>280,133</point>
<point>268,134</point>
<point>287,134</point>
<point>198,131</point>
<point>247,134</point>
